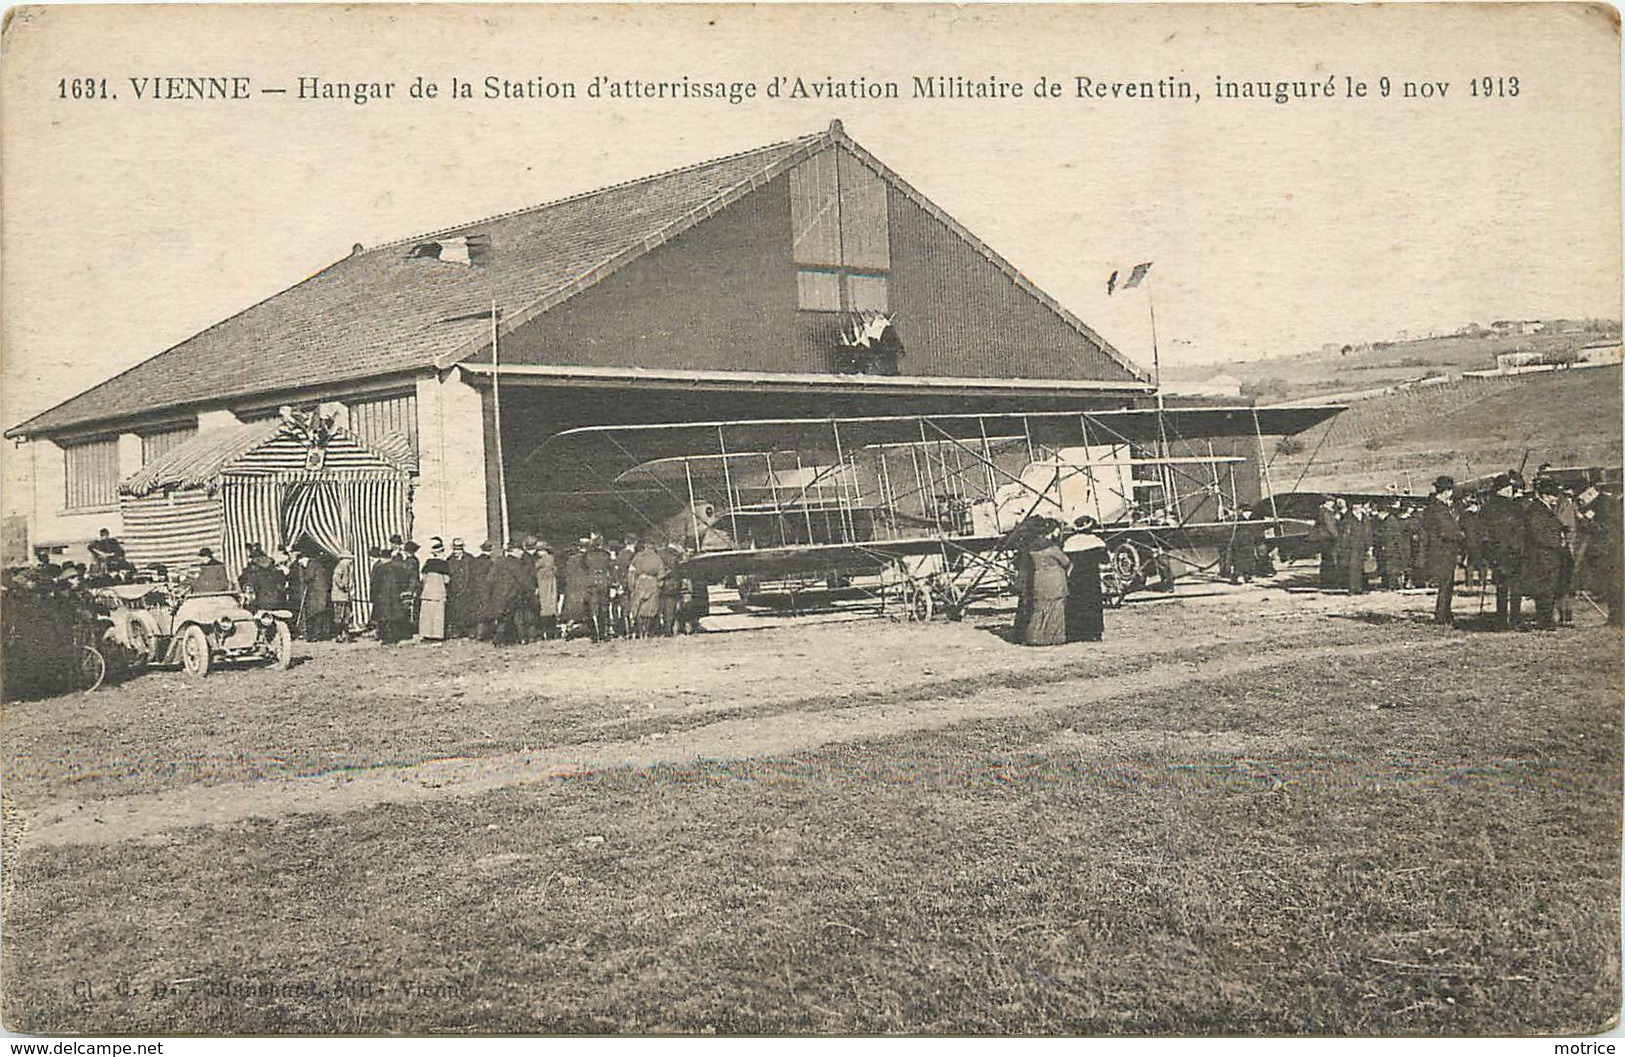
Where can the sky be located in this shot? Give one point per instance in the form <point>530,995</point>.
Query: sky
<point>129,225</point>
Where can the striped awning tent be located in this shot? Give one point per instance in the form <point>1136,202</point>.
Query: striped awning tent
<point>266,483</point>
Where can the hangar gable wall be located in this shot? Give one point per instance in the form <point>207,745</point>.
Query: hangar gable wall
<point>723,296</point>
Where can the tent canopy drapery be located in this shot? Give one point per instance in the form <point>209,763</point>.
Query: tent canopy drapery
<point>273,483</point>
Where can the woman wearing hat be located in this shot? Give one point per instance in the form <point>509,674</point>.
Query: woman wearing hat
<point>1046,626</point>
<point>1085,608</point>
<point>436,574</point>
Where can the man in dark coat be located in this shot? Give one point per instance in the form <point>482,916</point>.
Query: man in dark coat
<point>211,576</point>
<point>1472,541</point>
<point>407,555</point>
<point>507,585</point>
<point>600,575</point>
<point>1352,547</point>
<point>1240,551</point>
<point>262,579</point>
<point>1500,541</point>
<point>106,552</point>
<point>481,612</point>
<point>459,590</point>
<point>575,608</point>
<point>1545,547</point>
<point>1327,533</point>
<point>386,583</point>
<point>1393,547</point>
<point>1442,538</point>
<point>1600,569</point>
<point>316,602</point>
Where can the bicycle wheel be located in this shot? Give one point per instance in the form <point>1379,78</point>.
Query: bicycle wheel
<point>90,669</point>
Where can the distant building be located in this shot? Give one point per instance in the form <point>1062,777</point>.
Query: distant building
<point>1599,353</point>
<point>1517,326</point>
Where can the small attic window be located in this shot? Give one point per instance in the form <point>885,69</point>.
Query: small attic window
<point>457,249</point>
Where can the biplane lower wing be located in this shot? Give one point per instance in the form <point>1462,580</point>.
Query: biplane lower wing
<point>874,555</point>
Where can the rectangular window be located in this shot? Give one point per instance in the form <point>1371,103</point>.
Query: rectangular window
<point>866,293</point>
<point>839,226</point>
<point>815,211</point>
<point>818,291</point>
<point>865,232</point>
<point>91,474</point>
<point>159,443</point>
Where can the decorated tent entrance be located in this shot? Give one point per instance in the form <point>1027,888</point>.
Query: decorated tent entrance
<point>276,483</point>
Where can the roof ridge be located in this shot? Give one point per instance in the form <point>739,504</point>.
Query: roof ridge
<point>578,196</point>
<point>799,141</point>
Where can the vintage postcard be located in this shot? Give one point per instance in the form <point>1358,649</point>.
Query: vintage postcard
<point>811,520</point>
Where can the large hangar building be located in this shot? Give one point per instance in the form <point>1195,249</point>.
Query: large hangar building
<point>716,291</point>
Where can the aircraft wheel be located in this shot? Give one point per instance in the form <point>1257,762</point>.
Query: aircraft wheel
<point>920,605</point>
<point>90,668</point>
<point>196,657</point>
<point>1125,563</point>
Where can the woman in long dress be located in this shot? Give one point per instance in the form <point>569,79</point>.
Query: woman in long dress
<point>432,595</point>
<point>1085,609</point>
<point>1046,626</point>
<point>547,592</point>
<point>643,596</point>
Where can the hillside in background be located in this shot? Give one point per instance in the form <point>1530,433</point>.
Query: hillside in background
<point>1358,367</point>
<point>1466,428</point>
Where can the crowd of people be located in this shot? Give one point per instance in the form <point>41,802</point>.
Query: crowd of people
<point>1537,541</point>
<point>1389,533</point>
<point>526,592</point>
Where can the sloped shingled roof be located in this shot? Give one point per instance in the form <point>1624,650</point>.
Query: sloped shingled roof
<point>380,312</point>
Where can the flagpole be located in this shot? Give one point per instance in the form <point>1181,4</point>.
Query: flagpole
<point>1170,495</point>
<point>496,415</point>
<point>1156,365</point>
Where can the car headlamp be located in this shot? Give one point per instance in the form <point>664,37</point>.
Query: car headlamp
<point>225,624</point>
<point>265,620</point>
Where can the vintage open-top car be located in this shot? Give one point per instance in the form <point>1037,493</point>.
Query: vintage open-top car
<point>166,624</point>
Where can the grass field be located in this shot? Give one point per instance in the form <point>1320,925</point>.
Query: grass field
<point>1466,429</point>
<point>1248,812</point>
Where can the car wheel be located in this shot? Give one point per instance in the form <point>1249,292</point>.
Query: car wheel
<point>196,656</point>
<point>282,645</point>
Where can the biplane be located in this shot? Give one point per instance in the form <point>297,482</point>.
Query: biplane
<point>931,504</point>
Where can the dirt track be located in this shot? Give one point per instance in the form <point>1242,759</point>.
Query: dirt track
<point>356,726</point>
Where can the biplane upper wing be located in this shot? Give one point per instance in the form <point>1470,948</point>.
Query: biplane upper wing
<point>640,444</point>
